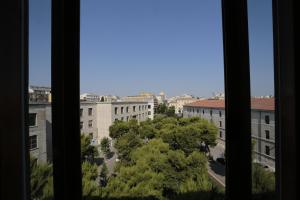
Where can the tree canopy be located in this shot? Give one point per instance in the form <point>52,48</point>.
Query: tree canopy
<point>160,158</point>
<point>88,151</point>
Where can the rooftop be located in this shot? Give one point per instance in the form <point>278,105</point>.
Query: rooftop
<point>256,104</point>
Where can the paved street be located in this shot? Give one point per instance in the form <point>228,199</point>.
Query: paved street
<point>217,172</point>
<point>215,169</point>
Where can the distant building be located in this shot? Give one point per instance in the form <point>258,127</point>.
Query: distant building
<point>262,124</point>
<point>108,113</point>
<point>145,97</point>
<point>218,95</point>
<point>161,98</point>
<point>89,97</point>
<point>179,101</point>
<point>39,94</point>
<point>95,120</point>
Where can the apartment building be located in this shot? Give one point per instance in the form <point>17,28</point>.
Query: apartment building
<point>89,97</point>
<point>179,101</point>
<point>88,119</point>
<point>145,97</point>
<point>40,131</point>
<point>262,124</point>
<point>108,113</point>
<point>39,94</point>
<point>97,117</point>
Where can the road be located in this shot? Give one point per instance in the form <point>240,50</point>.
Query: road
<point>215,169</point>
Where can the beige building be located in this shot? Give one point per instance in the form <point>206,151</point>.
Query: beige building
<point>97,117</point>
<point>179,101</point>
<point>145,97</point>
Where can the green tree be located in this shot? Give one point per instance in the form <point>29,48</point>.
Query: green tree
<point>157,171</point>
<point>119,128</point>
<point>90,186</point>
<point>126,144</point>
<point>88,151</point>
<point>263,181</point>
<point>105,146</point>
<point>104,174</point>
<point>165,110</point>
<point>41,181</point>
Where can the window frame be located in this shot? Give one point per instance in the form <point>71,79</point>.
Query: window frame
<point>65,57</point>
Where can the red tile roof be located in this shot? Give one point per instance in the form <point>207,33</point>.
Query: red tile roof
<point>256,104</point>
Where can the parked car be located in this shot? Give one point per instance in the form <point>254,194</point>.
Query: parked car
<point>221,160</point>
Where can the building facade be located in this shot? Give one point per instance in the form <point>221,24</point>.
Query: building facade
<point>40,131</point>
<point>97,117</point>
<point>145,97</point>
<point>262,124</point>
<point>108,113</point>
<point>89,97</point>
<point>88,119</point>
<point>39,94</point>
<point>179,101</point>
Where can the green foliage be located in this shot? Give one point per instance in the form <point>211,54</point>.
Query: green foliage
<point>157,171</point>
<point>263,181</point>
<point>105,146</point>
<point>104,174</point>
<point>88,151</point>
<point>126,144</point>
<point>90,187</point>
<point>165,110</point>
<point>41,181</point>
<point>120,127</point>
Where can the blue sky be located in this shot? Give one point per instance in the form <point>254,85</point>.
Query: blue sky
<point>175,46</point>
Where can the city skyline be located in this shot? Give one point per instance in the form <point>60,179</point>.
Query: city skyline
<point>171,46</point>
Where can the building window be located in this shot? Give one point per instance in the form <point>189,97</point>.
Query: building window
<point>116,110</point>
<point>267,134</point>
<point>267,150</point>
<point>81,125</point>
<point>197,110</point>
<point>267,119</point>
<point>149,112</point>
<point>32,142</point>
<point>210,112</point>
<point>122,110</point>
<point>90,111</point>
<point>116,119</point>
<point>133,108</point>
<point>90,123</point>
<point>139,108</point>
<point>220,134</point>
<point>127,118</point>
<point>203,111</point>
<point>81,112</point>
<point>220,123</point>
<point>220,113</point>
<point>149,106</point>
<point>122,118</point>
<point>32,119</point>
<point>127,109</point>
<point>193,110</point>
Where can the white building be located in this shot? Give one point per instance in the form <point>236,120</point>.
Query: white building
<point>97,117</point>
<point>89,97</point>
<point>161,98</point>
<point>145,97</point>
<point>262,124</point>
<point>179,101</point>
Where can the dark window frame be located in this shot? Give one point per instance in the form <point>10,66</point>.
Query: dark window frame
<point>90,111</point>
<point>31,144</point>
<point>35,120</point>
<point>65,57</point>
